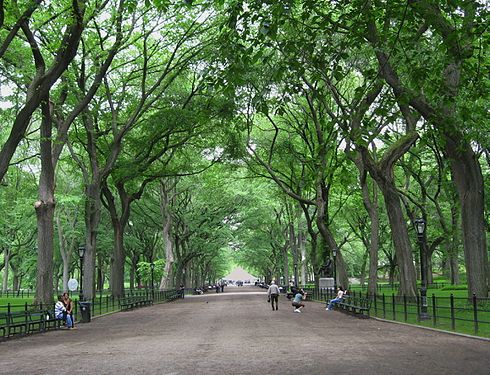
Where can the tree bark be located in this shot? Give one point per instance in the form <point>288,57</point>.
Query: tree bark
<point>166,192</point>
<point>45,212</point>
<point>6,258</point>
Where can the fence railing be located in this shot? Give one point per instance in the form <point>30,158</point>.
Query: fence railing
<point>31,293</point>
<point>99,305</point>
<point>458,314</point>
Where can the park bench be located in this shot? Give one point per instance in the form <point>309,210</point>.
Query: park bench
<point>23,322</point>
<point>15,323</point>
<point>128,303</point>
<point>50,320</point>
<point>357,306</point>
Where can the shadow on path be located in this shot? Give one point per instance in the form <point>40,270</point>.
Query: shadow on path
<point>236,332</point>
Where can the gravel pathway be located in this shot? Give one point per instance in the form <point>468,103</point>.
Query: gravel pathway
<point>236,332</point>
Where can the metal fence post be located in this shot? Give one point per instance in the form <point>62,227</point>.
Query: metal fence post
<point>405,312</point>
<point>393,304</point>
<point>475,313</point>
<point>453,321</point>
<point>418,307</point>
<point>434,310</point>
<point>8,319</point>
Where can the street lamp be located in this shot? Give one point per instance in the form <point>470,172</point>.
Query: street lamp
<point>420,227</point>
<point>295,274</point>
<point>334,253</point>
<point>81,254</point>
<point>152,268</point>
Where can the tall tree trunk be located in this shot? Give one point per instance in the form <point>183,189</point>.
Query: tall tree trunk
<point>45,213</point>
<point>6,259</point>
<point>16,282</point>
<point>342,277</point>
<point>302,250</point>
<point>132,277</point>
<point>401,241</point>
<point>469,183</point>
<point>118,224</point>
<point>100,273</point>
<point>371,206</point>
<point>65,254</point>
<point>382,172</point>
<point>92,220</point>
<point>293,245</point>
<point>117,271</point>
<point>362,275</point>
<point>166,192</point>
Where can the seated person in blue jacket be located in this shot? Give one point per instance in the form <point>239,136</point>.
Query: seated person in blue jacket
<point>340,296</point>
<point>61,313</point>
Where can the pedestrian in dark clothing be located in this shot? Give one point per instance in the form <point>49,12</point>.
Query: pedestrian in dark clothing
<point>273,295</point>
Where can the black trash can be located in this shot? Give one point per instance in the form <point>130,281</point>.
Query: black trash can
<point>85,311</point>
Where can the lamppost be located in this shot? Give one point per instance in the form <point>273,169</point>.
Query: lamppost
<point>334,253</point>
<point>81,254</point>
<point>295,274</point>
<point>152,268</point>
<point>420,227</point>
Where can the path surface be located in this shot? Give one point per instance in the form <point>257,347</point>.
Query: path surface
<point>237,333</point>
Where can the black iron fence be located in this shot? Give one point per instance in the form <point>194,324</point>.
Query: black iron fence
<point>458,314</point>
<point>99,305</point>
<point>31,293</point>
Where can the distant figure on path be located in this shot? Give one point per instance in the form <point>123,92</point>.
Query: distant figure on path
<point>340,296</point>
<point>222,286</point>
<point>59,312</point>
<point>217,288</point>
<point>273,295</point>
<point>297,301</point>
<point>182,290</point>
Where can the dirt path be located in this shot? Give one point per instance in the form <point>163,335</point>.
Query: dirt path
<point>238,333</point>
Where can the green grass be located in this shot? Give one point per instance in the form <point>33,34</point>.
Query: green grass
<point>463,315</point>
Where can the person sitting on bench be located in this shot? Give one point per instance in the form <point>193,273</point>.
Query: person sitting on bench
<point>340,296</point>
<point>60,312</point>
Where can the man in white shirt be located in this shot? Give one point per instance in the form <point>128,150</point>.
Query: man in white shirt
<point>340,296</point>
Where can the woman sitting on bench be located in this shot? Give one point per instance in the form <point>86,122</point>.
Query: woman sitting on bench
<point>60,312</point>
<point>340,296</point>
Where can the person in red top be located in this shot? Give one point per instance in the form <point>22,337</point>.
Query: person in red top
<point>68,303</point>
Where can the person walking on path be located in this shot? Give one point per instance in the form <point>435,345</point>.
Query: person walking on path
<point>297,301</point>
<point>59,312</point>
<point>339,298</point>
<point>273,295</point>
